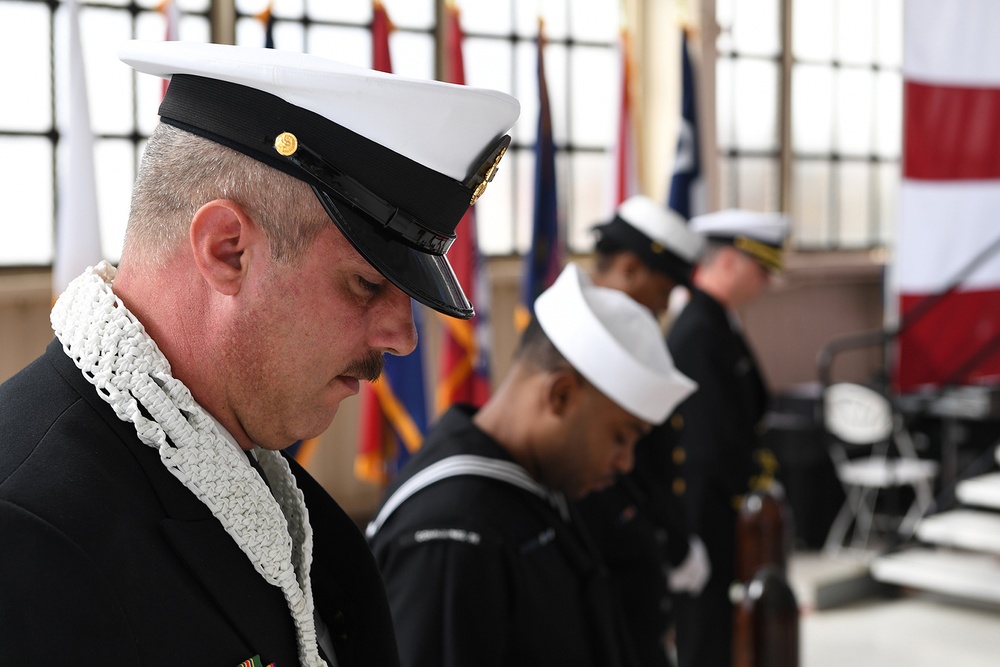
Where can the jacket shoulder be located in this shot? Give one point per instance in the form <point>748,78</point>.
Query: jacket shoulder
<point>30,403</point>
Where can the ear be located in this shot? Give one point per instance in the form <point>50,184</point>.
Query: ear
<point>620,272</point>
<point>563,389</point>
<point>222,237</point>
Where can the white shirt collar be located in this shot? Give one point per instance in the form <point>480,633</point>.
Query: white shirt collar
<point>228,437</point>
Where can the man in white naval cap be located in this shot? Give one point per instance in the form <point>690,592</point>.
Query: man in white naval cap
<point>286,211</point>
<point>639,525</point>
<point>718,428</point>
<point>484,558</point>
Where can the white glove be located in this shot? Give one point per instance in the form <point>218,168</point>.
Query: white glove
<point>692,574</point>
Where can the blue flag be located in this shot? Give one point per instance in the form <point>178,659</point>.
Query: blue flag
<point>544,259</point>
<point>686,186</point>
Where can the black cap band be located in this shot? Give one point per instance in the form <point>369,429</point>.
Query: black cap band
<point>653,253</point>
<point>412,203</point>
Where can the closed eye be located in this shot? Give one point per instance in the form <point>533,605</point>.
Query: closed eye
<point>370,288</point>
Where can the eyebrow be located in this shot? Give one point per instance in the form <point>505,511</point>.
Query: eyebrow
<point>642,428</point>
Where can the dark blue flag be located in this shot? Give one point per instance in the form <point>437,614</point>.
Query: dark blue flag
<point>686,185</point>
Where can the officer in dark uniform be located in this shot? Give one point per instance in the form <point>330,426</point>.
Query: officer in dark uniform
<point>484,559</point>
<point>287,210</point>
<point>718,427</point>
<point>639,524</point>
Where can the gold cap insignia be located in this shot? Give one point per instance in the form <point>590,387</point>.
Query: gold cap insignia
<point>763,253</point>
<point>286,144</point>
<point>488,177</point>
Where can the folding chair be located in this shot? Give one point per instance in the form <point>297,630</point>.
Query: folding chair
<point>856,417</point>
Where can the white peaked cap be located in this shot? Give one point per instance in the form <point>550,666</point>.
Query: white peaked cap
<point>662,225</point>
<point>758,234</point>
<point>615,343</point>
<point>767,228</point>
<point>443,126</point>
<point>395,162</point>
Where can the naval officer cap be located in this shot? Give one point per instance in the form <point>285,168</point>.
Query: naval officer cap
<point>615,343</point>
<point>395,162</point>
<point>657,235</point>
<point>759,235</point>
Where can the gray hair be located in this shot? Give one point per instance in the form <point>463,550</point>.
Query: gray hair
<point>181,171</point>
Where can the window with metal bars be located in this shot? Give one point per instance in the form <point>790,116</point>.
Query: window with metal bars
<point>808,108</point>
<point>499,53</point>
<point>122,110</point>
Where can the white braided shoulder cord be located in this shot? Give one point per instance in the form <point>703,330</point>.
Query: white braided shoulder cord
<point>114,352</point>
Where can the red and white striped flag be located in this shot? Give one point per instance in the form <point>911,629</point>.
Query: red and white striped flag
<point>949,235</point>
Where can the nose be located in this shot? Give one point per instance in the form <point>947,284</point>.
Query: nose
<point>392,326</point>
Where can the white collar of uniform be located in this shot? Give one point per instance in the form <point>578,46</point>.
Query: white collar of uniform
<point>228,437</point>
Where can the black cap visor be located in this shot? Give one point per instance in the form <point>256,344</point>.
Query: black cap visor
<point>426,277</point>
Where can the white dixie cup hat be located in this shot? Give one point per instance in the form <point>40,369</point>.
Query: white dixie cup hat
<point>615,343</point>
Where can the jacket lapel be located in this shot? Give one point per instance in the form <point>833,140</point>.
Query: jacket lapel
<point>257,611</point>
<point>347,585</point>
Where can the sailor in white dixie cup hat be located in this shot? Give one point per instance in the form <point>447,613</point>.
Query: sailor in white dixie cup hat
<point>148,512</point>
<point>639,525</point>
<point>657,235</point>
<point>613,342</point>
<point>481,551</point>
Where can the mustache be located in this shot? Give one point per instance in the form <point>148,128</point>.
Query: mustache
<point>368,367</point>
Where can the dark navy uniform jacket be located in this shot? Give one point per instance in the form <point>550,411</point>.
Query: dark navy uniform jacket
<point>481,571</point>
<point>640,529</point>
<point>719,433</point>
<point>720,422</point>
<point>108,559</point>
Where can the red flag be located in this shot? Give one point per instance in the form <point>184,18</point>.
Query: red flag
<point>626,162</point>
<point>393,409</point>
<point>465,345</point>
<point>947,268</point>
<point>381,28</point>
<point>375,440</point>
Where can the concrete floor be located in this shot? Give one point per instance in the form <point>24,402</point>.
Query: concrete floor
<point>908,629</point>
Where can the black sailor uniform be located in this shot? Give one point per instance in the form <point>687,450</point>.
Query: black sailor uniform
<point>641,531</point>
<point>486,568</point>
